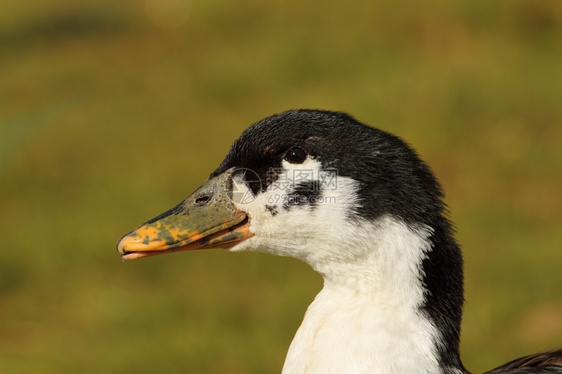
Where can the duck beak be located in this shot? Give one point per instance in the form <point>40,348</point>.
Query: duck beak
<point>206,219</point>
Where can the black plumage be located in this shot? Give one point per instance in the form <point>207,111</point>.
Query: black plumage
<point>394,180</point>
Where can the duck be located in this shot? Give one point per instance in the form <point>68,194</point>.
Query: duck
<point>359,206</point>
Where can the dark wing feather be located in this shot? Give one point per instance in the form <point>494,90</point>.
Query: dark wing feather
<point>547,363</point>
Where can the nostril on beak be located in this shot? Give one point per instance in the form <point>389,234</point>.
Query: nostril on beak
<point>203,199</point>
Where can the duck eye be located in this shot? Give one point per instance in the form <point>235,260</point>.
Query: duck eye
<point>296,155</point>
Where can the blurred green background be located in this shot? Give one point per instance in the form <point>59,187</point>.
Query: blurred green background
<point>113,111</point>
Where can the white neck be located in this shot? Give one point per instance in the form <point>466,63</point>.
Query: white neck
<point>367,318</point>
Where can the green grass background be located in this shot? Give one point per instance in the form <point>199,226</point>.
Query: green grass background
<point>113,111</point>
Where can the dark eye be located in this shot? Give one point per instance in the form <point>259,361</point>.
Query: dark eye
<point>295,155</point>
